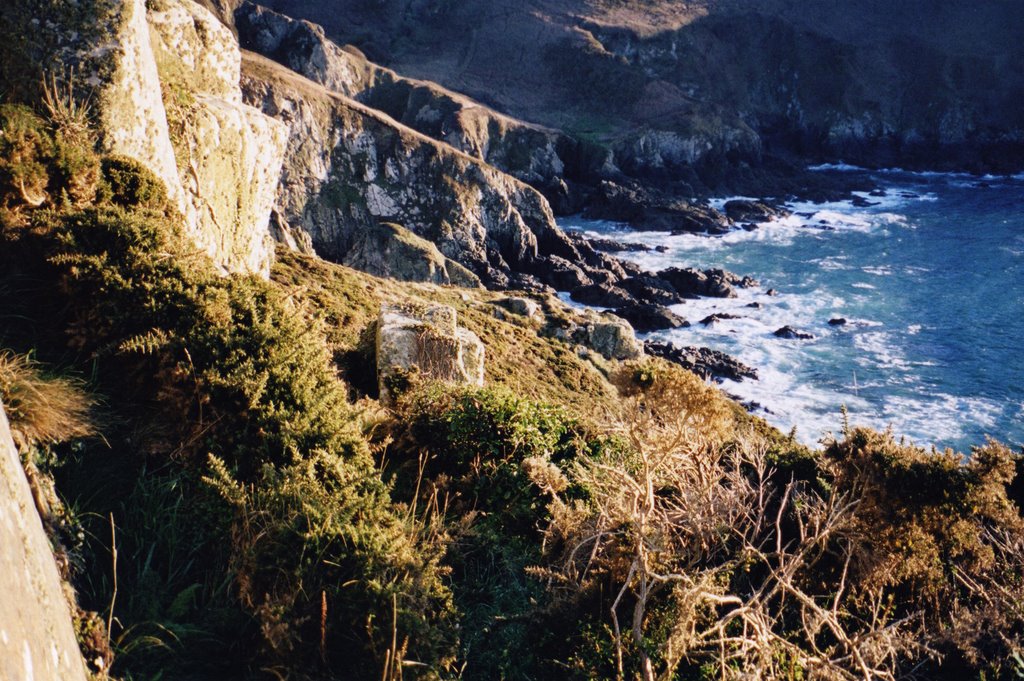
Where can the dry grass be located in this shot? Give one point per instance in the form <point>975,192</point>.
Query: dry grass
<point>42,409</point>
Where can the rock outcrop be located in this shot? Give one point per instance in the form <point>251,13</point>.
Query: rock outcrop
<point>390,250</point>
<point>164,88</point>
<point>348,167</point>
<point>37,640</point>
<point>527,152</point>
<point>425,340</point>
<point>229,154</point>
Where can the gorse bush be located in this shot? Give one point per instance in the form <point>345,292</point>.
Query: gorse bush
<point>209,366</point>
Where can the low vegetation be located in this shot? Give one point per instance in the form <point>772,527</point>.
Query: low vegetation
<point>577,518</point>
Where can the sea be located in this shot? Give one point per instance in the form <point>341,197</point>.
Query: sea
<point>928,273</point>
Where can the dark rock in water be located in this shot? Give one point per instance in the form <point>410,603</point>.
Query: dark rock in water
<point>717,317</point>
<point>645,318</point>
<point>749,226</point>
<point>742,210</point>
<point>771,292</point>
<point>791,333</point>
<point>602,295</point>
<point>861,202</point>
<point>714,283</point>
<point>661,249</point>
<point>704,362</point>
<point>755,306</point>
<point>647,208</point>
<point>612,246</point>
<point>837,321</point>
<point>650,289</point>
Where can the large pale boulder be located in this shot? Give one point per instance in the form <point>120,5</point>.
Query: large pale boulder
<point>37,641</point>
<point>425,340</point>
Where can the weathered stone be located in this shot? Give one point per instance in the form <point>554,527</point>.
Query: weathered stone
<point>521,306</point>
<point>425,340</point>
<point>390,250</point>
<point>613,338</point>
<point>37,640</point>
<point>230,154</point>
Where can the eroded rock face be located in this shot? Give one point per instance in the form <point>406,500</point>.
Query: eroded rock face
<point>425,340</point>
<point>37,641</point>
<point>527,152</point>
<point>162,80</point>
<point>349,167</point>
<point>390,250</point>
<point>229,154</point>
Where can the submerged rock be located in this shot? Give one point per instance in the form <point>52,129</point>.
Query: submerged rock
<point>704,362</point>
<point>837,321</point>
<point>717,317</point>
<point>425,340</point>
<point>743,210</point>
<point>792,334</point>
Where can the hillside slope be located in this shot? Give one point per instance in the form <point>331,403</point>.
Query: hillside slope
<point>915,82</point>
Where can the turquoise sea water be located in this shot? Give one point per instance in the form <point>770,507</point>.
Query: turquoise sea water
<point>931,281</point>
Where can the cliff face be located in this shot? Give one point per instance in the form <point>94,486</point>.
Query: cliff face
<point>37,641</point>
<point>669,82</point>
<point>164,89</point>
<point>348,166</point>
<point>527,152</point>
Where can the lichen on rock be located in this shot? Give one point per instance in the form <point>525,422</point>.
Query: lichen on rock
<point>425,341</point>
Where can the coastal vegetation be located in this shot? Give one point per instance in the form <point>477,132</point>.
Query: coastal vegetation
<point>230,500</point>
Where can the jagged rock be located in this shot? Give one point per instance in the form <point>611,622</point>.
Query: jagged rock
<point>390,250</point>
<point>607,245</point>
<point>348,167</point>
<point>645,318</point>
<point>425,340</point>
<point>743,210</point>
<point>563,274</point>
<point>521,306</point>
<point>650,289</point>
<point>613,338</point>
<point>704,362</point>
<point>714,283</point>
<point>792,334</point>
<point>647,208</point>
<point>717,317</point>
<point>37,640</point>
<point>527,152</point>
<point>602,295</point>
